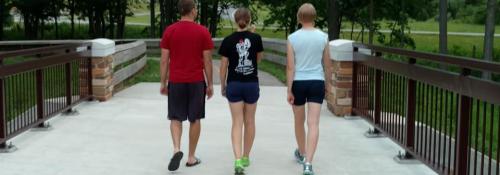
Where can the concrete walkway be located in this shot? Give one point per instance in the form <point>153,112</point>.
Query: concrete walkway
<point>129,135</point>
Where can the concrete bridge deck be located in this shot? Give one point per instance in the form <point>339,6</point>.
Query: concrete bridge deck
<point>129,135</point>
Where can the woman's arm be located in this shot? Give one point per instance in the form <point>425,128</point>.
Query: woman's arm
<point>260,56</point>
<point>290,71</point>
<point>224,62</point>
<point>327,68</point>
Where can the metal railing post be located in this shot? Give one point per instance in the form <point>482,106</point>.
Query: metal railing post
<point>39,96</point>
<point>411,112</point>
<point>461,166</point>
<point>374,133</point>
<point>354,84</point>
<point>378,94</point>
<point>69,95</point>
<point>89,79</point>
<point>3,118</point>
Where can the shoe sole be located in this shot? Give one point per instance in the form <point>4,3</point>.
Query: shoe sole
<point>175,162</point>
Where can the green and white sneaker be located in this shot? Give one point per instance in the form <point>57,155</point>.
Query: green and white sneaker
<point>238,167</point>
<point>299,158</point>
<point>245,161</point>
<point>308,169</point>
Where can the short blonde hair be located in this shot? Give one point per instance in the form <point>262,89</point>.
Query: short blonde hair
<point>306,13</point>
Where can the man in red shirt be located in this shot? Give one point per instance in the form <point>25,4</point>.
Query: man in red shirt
<point>186,63</point>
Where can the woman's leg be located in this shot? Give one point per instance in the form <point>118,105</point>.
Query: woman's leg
<point>249,120</point>
<point>300,132</point>
<point>313,113</point>
<point>236,131</point>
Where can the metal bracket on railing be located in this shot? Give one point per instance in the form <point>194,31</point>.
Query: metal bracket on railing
<point>352,118</point>
<point>374,133</point>
<point>405,157</point>
<point>45,126</point>
<point>70,112</point>
<point>7,148</point>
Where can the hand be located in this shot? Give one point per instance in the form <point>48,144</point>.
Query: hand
<point>209,91</point>
<point>223,91</point>
<point>290,98</point>
<point>164,90</point>
<point>328,88</point>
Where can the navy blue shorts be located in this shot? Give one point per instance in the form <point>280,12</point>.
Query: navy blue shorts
<point>247,92</point>
<point>186,101</point>
<point>308,91</point>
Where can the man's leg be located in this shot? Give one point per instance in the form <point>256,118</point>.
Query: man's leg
<point>300,132</point>
<point>176,131</point>
<point>313,114</point>
<point>194,136</point>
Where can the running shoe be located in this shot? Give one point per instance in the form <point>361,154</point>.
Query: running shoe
<point>245,161</point>
<point>308,169</point>
<point>298,157</point>
<point>238,167</point>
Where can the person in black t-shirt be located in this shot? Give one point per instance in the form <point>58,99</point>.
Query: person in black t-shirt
<point>241,52</point>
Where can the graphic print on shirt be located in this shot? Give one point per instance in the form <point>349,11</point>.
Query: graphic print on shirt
<point>245,65</point>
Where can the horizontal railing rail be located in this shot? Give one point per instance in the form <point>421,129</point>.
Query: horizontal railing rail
<point>32,90</point>
<point>448,120</point>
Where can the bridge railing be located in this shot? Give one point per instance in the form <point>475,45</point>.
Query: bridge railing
<point>39,83</point>
<point>450,120</point>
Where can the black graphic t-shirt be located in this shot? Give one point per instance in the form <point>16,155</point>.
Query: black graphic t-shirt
<point>241,49</point>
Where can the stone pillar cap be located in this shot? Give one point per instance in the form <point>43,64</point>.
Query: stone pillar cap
<point>102,47</point>
<point>341,50</point>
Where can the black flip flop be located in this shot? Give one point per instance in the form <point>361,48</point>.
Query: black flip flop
<point>175,162</point>
<point>198,161</point>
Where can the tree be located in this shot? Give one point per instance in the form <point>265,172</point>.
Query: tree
<point>333,20</point>
<point>443,26</point>
<point>2,17</point>
<point>152,18</point>
<point>72,12</point>
<point>34,13</point>
<point>489,34</point>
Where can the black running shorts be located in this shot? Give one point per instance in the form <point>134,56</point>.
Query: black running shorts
<point>186,101</point>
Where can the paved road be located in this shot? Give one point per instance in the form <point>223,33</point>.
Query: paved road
<point>129,135</point>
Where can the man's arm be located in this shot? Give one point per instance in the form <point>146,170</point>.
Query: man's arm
<point>164,66</point>
<point>207,60</point>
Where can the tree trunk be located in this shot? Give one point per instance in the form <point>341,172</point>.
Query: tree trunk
<point>489,34</point>
<point>371,32</point>
<point>152,26</point>
<point>204,12</point>
<point>113,13</point>
<point>443,26</point>
<point>333,20</point>
<point>72,14</point>
<point>2,13</point>
<point>214,19</point>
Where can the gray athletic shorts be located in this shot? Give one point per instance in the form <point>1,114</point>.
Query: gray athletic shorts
<point>186,101</point>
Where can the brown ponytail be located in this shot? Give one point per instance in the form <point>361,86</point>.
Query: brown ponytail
<point>242,17</point>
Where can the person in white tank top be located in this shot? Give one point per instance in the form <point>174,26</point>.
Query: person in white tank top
<point>308,66</point>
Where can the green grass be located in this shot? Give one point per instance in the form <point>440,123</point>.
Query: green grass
<point>81,32</point>
<point>276,70</point>
<point>20,89</point>
<point>139,19</point>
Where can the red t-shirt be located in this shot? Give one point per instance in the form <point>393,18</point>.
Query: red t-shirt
<point>186,42</point>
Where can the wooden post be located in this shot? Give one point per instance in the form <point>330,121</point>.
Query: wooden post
<point>461,166</point>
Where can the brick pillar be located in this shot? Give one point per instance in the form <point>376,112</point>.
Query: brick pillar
<point>102,68</point>
<point>340,99</point>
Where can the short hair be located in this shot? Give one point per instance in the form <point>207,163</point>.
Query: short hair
<point>306,13</point>
<point>186,6</point>
<point>242,17</point>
